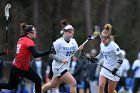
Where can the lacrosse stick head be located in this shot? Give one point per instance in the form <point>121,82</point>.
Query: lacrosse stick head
<point>96,32</point>
<point>7,7</point>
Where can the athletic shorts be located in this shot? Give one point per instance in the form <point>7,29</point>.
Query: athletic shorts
<point>109,75</point>
<point>59,72</point>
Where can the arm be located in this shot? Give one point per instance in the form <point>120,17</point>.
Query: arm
<point>118,53</point>
<point>120,61</point>
<point>36,53</point>
<point>53,54</point>
<point>56,57</point>
<point>97,58</point>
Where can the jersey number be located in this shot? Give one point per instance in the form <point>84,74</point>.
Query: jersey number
<point>18,48</point>
<point>105,57</point>
<point>69,53</point>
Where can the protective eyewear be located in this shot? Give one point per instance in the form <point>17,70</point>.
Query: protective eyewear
<point>104,37</point>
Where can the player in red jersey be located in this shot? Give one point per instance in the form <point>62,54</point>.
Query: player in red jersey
<point>20,68</point>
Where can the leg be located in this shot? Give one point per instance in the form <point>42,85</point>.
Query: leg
<point>112,86</point>
<point>136,85</point>
<point>14,79</point>
<point>93,86</point>
<point>68,78</point>
<point>52,84</point>
<point>102,82</point>
<point>33,76</point>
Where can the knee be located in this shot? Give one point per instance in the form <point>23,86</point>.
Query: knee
<point>73,83</point>
<point>101,86</point>
<point>112,91</point>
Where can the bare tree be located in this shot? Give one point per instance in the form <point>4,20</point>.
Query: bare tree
<point>35,19</point>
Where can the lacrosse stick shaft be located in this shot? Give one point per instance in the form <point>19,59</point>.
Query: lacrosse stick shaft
<point>7,7</point>
<point>78,49</point>
<point>109,70</point>
<point>6,37</point>
<point>82,45</point>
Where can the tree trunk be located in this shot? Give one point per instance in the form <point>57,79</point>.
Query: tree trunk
<point>35,20</point>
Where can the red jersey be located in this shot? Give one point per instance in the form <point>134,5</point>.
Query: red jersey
<point>23,53</point>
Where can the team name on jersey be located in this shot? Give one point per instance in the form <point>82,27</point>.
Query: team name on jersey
<point>106,52</point>
<point>69,48</point>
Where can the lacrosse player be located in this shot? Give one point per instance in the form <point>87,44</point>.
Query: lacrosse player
<point>136,71</point>
<point>20,68</point>
<point>112,57</point>
<point>64,47</point>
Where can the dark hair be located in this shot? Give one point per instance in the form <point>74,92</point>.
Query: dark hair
<point>64,23</point>
<point>65,26</point>
<point>25,29</point>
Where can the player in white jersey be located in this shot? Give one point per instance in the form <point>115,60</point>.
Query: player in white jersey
<point>64,47</point>
<point>136,71</point>
<point>112,56</point>
<point>125,68</point>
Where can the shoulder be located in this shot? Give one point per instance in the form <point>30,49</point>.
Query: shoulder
<point>136,61</point>
<point>72,39</point>
<point>112,43</point>
<point>59,40</point>
<point>27,39</point>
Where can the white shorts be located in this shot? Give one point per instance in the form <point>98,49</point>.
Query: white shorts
<point>57,68</point>
<point>109,75</point>
<point>58,72</point>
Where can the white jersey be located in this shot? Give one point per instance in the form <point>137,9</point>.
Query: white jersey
<point>64,50</point>
<point>110,58</point>
<point>136,64</point>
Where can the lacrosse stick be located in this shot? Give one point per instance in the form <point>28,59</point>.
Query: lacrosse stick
<point>108,70</point>
<point>7,7</point>
<point>85,57</point>
<point>94,34</point>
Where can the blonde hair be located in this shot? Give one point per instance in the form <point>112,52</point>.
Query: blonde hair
<point>107,31</point>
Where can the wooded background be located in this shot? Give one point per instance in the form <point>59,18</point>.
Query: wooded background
<point>46,15</point>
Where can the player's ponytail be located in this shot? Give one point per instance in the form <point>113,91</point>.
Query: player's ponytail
<point>65,26</point>
<point>64,23</point>
<point>107,31</point>
<point>108,27</point>
<point>25,29</point>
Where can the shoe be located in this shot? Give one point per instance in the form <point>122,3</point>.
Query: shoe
<point>34,91</point>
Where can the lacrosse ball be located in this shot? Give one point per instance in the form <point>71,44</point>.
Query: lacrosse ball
<point>96,33</point>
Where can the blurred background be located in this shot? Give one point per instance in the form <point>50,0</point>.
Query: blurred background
<point>46,15</point>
